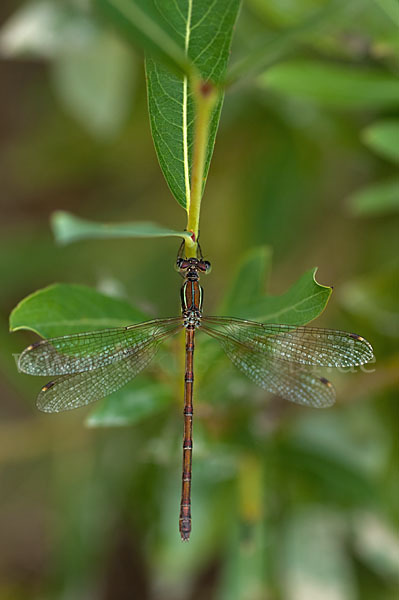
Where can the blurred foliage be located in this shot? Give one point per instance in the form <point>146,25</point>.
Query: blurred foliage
<point>67,228</point>
<point>288,503</point>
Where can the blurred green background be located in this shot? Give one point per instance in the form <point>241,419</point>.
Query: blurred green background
<point>288,503</point>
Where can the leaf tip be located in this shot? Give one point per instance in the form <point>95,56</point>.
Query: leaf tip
<point>327,287</point>
<point>60,220</point>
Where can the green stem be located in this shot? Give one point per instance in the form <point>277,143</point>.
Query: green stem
<point>205,97</point>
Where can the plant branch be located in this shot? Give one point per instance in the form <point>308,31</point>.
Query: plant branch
<point>206,95</point>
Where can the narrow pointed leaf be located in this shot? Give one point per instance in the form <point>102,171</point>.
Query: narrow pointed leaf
<point>334,86</point>
<point>272,48</point>
<point>383,138</point>
<point>147,26</point>
<point>203,31</point>
<point>377,199</point>
<point>67,228</point>
<point>62,309</point>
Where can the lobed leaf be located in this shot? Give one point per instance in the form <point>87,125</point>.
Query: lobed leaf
<point>302,303</point>
<point>63,309</point>
<point>67,229</point>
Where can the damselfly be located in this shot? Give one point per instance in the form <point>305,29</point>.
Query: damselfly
<point>278,358</point>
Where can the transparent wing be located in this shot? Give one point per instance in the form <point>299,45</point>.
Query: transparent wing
<point>79,389</point>
<point>288,380</point>
<point>300,345</point>
<point>86,351</point>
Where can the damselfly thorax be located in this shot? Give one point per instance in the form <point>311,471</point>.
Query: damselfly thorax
<point>192,293</point>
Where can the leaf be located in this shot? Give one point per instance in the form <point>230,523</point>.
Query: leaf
<point>377,199</point>
<point>313,560</point>
<point>92,69</point>
<point>302,303</point>
<point>62,309</point>
<point>43,29</point>
<point>204,31</point>
<point>383,138</point>
<point>333,478</point>
<point>390,7</point>
<point>373,298</point>
<point>67,229</point>
<point>244,574</point>
<point>338,438</point>
<point>249,280</point>
<point>95,82</point>
<point>140,399</point>
<point>305,21</point>
<point>376,543</point>
<point>147,25</point>
<point>332,85</point>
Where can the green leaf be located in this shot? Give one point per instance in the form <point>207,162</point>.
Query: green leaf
<point>333,477</point>
<point>44,29</point>
<point>383,138</point>
<point>146,24</point>
<point>390,7</point>
<point>313,556</point>
<point>95,82</point>
<point>244,574</point>
<point>204,31</point>
<point>93,71</point>
<point>305,21</point>
<point>67,228</point>
<point>249,281</point>
<point>140,399</point>
<point>62,309</point>
<point>376,199</point>
<point>302,303</point>
<point>374,299</point>
<point>376,543</point>
<point>332,85</point>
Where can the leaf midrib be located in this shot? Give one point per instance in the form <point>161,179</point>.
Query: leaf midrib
<point>185,97</point>
<point>291,307</point>
<point>134,14</point>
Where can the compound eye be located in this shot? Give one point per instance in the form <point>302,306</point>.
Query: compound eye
<point>208,266</point>
<point>178,264</point>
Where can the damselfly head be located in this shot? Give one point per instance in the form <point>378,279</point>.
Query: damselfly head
<point>191,266</point>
